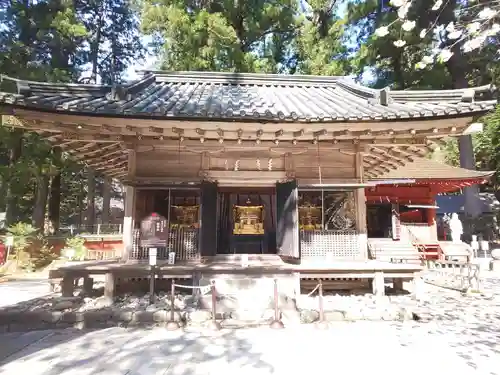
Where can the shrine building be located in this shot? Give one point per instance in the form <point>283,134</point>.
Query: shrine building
<point>302,167</point>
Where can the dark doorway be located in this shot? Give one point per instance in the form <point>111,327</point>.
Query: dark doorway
<point>379,220</point>
<point>246,222</point>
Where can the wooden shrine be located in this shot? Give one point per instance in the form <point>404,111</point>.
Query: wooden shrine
<point>193,146</point>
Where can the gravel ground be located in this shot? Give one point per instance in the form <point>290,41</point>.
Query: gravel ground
<point>462,337</point>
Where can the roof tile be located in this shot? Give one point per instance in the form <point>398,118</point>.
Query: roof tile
<point>235,96</point>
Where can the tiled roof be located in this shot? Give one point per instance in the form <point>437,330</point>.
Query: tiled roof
<point>247,97</point>
<point>425,169</point>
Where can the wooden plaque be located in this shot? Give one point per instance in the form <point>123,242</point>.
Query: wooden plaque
<point>154,231</point>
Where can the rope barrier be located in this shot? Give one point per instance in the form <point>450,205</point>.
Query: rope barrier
<point>204,289</point>
<point>315,289</point>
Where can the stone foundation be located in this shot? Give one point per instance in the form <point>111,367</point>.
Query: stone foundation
<point>135,311</point>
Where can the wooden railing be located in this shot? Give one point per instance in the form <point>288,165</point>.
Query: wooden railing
<point>420,244</point>
<point>461,276</point>
<point>181,241</point>
<point>100,254</point>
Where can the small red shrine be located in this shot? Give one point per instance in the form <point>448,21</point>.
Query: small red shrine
<point>407,211</point>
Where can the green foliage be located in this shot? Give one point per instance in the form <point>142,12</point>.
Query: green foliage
<point>77,244</point>
<point>41,254</point>
<point>23,234</point>
<point>247,36</point>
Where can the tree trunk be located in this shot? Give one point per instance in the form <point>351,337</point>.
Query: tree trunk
<point>90,217</point>
<point>106,199</point>
<point>55,195</point>
<point>15,153</point>
<point>42,191</point>
<point>457,67</point>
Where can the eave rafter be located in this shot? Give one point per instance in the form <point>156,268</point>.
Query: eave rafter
<point>99,156</point>
<point>101,143</point>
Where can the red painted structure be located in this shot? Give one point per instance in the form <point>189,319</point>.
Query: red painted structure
<point>419,223</point>
<point>102,247</point>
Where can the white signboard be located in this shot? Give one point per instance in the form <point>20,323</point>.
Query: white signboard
<point>152,256</point>
<point>244,260</point>
<point>171,257</point>
<point>3,216</point>
<point>9,241</point>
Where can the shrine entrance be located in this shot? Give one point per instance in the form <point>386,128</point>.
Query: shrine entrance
<point>246,221</point>
<point>379,220</point>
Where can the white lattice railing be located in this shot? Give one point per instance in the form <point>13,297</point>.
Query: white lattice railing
<point>341,244</point>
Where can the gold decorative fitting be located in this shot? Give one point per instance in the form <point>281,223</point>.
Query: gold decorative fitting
<point>257,141</point>
<point>181,139</point>
<point>413,131</point>
<point>79,126</point>
<point>185,216</point>
<point>248,219</point>
<point>335,141</point>
<point>161,137</point>
<point>315,141</point>
<point>202,140</point>
<point>276,141</point>
<point>294,141</point>
<point>435,130</point>
<point>221,140</point>
<point>239,141</point>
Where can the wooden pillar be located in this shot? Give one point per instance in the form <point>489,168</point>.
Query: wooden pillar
<point>130,200</point>
<point>396,222</point>
<point>208,225</point>
<point>128,221</point>
<point>360,199</point>
<point>431,221</point>
<point>287,216</point>
<point>109,285</point>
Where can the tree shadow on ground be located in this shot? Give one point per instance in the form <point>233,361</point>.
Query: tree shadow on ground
<point>134,351</point>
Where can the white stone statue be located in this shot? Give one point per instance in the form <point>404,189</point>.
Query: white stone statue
<point>456,228</point>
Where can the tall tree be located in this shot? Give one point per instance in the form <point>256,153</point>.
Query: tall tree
<point>221,35</point>
<point>113,40</point>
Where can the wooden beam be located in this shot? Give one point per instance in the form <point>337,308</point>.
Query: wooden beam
<point>131,164</point>
<point>393,153</point>
<point>104,161</point>
<point>369,131</point>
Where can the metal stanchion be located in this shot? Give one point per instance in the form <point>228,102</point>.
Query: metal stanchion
<point>276,323</point>
<point>214,324</point>
<point>172,324</point>
<point>322,323</point>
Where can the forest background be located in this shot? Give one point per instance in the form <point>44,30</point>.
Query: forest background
<point>102,41</point>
